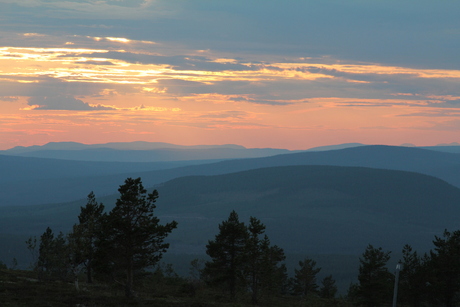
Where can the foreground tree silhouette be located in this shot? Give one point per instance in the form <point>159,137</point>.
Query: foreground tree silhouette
<point>262,268</point>
<point>228,254</point>
<point>375,281</point>
<point>305,278</point>
<point>328,287</point>
<point>132,238</point>
<point>84,235</point>
<point>53,259</point>
<point>444,267</point>
<point>413,280</point>
<point>243,259</point>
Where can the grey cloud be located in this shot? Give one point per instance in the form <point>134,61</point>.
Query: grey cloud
<point>177,62</point>
<point>421,33</point>
<point>238,99</point>
<point>428,114</point>
<point>44,86</point>
<point>94,62</point>
<point>383,78</point>
<point>445,104</point>
<point>281,92</point>
<point>63,103</point>
<point>394,83</point>
<point>55,9</point>
<point>438,108</point>
<point>226,114</point>
<point>259,95</point>
<point>8,98</point>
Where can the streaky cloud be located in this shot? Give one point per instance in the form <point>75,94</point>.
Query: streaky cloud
<point>69,103</point>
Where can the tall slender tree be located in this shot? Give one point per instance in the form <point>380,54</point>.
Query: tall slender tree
<point>228,255</point>
<point>84,235</point>
<point>273,276</point>
<point>413,278</point>
<point>53,258</point>
<point>305,278</point>
<point>255,252</point>
<point>132,237</point>
<point>262,267</point>
<point>444,269</point>
<point>328,287</point>
<point>375,281</point>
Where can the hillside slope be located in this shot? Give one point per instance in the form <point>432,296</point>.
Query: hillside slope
<point>307,209</point>
<point>445,166</point>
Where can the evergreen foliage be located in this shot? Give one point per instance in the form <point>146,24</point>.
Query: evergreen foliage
<point>243,258</point>
<point>375,281</point>
<point>228,254</point>
<point>84,235</point>
<point>53,259</point>
<point>132,238</point>
<point>444,268</point>
<point>328,288</point>
<point>263,273</point>
<point>413,277</point>
<point>305,278</point>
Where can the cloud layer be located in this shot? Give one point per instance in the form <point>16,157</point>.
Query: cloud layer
<point>63,103</point>
<point>352,71</point>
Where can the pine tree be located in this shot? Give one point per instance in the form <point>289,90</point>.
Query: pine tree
<point>83,237</point>
<point>262,270</point>
<point>132,238</point>
<point>413,277</point>
<point>375,281</point>
<point>273,279</point>
<point>328,287</point>
<point>45,253</point>
<point>305,278</point>
<point>255,250</point>
<point>53,258</point>
<point>228,255</point>
<point>444,267</point>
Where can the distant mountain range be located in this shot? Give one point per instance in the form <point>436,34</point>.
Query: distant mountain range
<point>139,152</point>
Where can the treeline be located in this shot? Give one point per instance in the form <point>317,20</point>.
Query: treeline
<point>124,247</point>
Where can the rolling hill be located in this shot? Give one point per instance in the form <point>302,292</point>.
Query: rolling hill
<point>443,165</point>
<point>307,209</point>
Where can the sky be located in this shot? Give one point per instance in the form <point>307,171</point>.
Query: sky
<point>259,73</point>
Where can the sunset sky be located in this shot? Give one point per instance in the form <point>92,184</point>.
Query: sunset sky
<point>258,73</point>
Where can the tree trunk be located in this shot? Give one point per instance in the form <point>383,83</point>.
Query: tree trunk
<point>129,280</point>
<point>75,276</point>
<point>254,289</point>
<point>89,276</point>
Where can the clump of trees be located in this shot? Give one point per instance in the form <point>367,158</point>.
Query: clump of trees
<point>119,245</point>
<point>116,245</point>
<point>244,262</point>
<point>243,258</point>
<point>375,282</point>
<point>431,279</point>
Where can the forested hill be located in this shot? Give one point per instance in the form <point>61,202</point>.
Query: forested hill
<point>435,163</point>
<point>16,168</point>
<point>320,209</point>
<point>48,180</point>
<point>307,209</point>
